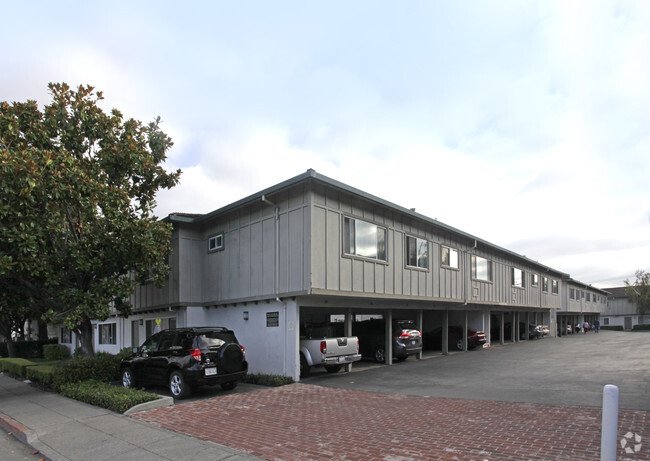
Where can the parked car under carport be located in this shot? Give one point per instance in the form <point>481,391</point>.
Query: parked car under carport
<point>433,339</point>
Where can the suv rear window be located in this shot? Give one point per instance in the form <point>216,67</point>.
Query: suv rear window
<point>215,339</point>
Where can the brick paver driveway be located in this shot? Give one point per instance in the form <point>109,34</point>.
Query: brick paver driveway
<point>310,422</point>
<point>313,422</point>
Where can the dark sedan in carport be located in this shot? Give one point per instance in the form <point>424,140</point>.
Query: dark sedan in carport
<point>433,339</point>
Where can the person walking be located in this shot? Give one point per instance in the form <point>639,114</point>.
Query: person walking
<point>585,327</point>
<point>596,325</point>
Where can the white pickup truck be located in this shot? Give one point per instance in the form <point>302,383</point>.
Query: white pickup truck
<point>320,346</point>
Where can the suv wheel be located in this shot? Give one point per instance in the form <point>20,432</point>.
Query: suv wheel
<point>127,378</point>
<point>177,385</point>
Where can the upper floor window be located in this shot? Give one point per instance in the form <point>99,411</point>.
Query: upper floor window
<point>555,286</point>
<point>517,278</point>
<point>449,257</point>
<point>361,238</point>
<point>588,297</point>
<point>544,283</point>
<point>215,242</point>
<point>572,293</point>
<point>481,269</point>
<point>417,252</point>
<point>535,279</point>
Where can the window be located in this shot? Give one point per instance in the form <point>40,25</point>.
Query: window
<point>535,278</point>
<point>156,325</point>
<point>107,333</point>
<point>481,269</point>
<point>449,257</point>
<point>606,321</point>
<point>517,277</point>
<point>544,283</point>
<point>417,252</point>
<point>555,286</point>
<point>572,293</point>
<point>588,297</point>
<point>215,243</point>
<point>364,239</point>
<point>66,335</point>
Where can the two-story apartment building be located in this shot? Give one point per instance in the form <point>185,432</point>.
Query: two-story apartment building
<point>311,248</point>
<point>580,303</point>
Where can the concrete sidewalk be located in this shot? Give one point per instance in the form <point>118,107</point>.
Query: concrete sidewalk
<point>64,429</point>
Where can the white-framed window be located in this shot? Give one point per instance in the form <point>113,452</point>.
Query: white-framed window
<point>417,252</point>
<point>588,297</point>
<point>572,293</point>
<point>215,243</point>
<point>107,333</point>
<point>66,335</point>
<point>517,278</point>
<point>555,287</point>
<point>481,269</point>
<point>361,238</point>
<point>449,257</point>
<point>545,284</point>
<point>535,279</point>
<point>152,326</point>
<point>605,320</point>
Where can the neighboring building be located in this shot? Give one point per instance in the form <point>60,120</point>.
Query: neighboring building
<point>314,249</point>
<point>621,311</point>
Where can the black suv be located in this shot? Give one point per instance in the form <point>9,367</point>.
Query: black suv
<point>186,357</point>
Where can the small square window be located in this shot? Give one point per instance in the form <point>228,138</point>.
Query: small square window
<point>417,252</point>
<point>107,333</point>
<point>215,243</point>
<point>449,257</point>
<point>481,269</point>
<point>518,278</point>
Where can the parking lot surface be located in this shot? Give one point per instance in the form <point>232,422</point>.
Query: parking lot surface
<point>344,420</point>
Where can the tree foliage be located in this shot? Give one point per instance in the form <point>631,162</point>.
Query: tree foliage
<point>639,291</point>
<point>77,229</point>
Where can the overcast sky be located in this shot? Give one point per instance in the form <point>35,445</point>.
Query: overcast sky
<point>526,124</point>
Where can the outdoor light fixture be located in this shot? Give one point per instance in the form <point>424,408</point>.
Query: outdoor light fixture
<point>141,322</point>
<point>245,315</point>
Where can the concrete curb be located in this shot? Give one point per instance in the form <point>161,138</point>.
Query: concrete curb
<point>162,401</point>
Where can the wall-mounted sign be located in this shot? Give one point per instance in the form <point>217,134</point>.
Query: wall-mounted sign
<point>272,319</point>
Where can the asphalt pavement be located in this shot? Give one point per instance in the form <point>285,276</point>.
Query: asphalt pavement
<point>571,370</point>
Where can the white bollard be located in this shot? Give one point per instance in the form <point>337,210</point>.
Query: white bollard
<point>609,431</point>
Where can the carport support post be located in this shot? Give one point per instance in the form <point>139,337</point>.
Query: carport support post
<point>445,332</point>
<point>609,429</point>
<point>388,349</point>
<point>419,324</point>
<point>502,333</point>
<point>465,331</point>
<point>348,332</point>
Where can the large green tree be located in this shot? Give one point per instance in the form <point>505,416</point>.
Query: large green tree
<point>77,229</point>
<point>639,291</point>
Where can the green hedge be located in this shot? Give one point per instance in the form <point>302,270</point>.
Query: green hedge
<point>267,380</point>
<point>613,328</point>
<point>102,367</point>
<point>56,352</point>
<point>41,373</point>
<point>27,349</point>
<point>15,366</point>
<point>641,327</point>
<point>105,395</point>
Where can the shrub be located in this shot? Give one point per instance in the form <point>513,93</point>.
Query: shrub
<point>41,373</point>
<point>15,366</point>
<point>56,352</point>
<point>641,327</point>
<point>612,327</point>
<point>27,349</point>
<point>267,380</point>
<point>102,367</point>
<point>104,395</point>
